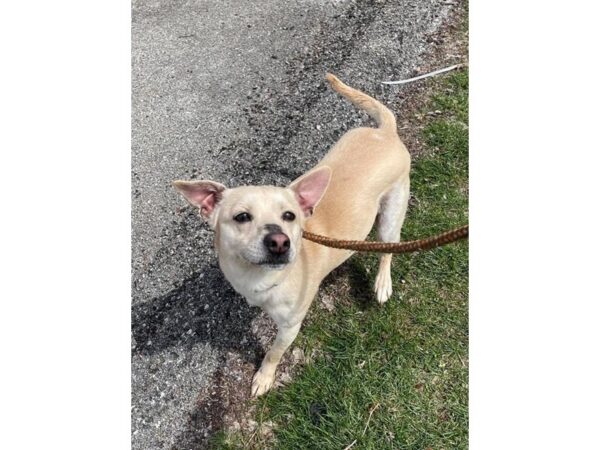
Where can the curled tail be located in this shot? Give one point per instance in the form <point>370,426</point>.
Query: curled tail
<point>383,116</point>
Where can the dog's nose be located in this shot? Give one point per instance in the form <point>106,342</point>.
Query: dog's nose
<point>277,243</point>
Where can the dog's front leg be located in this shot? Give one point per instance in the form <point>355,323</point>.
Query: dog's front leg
<point>264,377</point>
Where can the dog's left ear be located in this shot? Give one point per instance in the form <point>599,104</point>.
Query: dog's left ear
<point>202,194</point>
<point>309,188</point>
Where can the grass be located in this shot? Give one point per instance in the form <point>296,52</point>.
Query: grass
<point>405,363</point>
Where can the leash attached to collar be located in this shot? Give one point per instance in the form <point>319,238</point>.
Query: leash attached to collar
<point>390,247</point>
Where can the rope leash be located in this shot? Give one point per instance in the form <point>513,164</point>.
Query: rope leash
<point>391,247</point>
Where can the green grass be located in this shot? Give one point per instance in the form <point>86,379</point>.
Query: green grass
<point>408,358</point>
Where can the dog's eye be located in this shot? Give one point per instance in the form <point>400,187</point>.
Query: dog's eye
<point>242,217</point>
<point>288,216</point>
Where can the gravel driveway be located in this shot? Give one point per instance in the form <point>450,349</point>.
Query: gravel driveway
<point>233,91</point>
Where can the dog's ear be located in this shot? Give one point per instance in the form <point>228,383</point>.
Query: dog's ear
<point>202,194</point>
<point>309,188</point>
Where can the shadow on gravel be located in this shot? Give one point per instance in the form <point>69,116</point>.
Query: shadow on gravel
<point>204,309</point>
<point>217,408</point>
<point>206,418</point>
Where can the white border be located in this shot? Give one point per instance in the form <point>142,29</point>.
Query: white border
<point>534,220</point>
<point>65,317</point>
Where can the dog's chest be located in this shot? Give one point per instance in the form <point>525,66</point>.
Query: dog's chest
<point>256,291</point>
<point>280,308</point>
<point>270,298</point>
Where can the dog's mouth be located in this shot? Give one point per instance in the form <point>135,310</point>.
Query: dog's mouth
<point>277,262</point>
<point>272,266</point>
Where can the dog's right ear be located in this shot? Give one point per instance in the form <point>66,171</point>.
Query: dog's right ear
<point>202,194</point>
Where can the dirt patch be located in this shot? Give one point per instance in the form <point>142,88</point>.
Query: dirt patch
<point>450,46</point>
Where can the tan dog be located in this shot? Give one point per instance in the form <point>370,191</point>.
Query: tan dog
<point>258,229</point>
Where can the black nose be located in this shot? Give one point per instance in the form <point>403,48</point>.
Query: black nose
<point>277,243</point>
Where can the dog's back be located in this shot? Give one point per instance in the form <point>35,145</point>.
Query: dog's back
<point>366,164</point>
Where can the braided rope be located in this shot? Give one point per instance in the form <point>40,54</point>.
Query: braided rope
<point>391,247</point>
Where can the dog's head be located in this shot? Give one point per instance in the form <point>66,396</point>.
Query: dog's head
<point>258,225</point>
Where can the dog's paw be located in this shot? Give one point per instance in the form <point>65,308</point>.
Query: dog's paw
<point>383,286</point>
<point>262,382</point>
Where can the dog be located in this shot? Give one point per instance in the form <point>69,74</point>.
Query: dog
<point>363,179</point>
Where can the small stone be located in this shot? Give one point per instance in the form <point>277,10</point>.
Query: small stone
<point>266,429</point>
<point>285,378</point>
<point>327,302</point>
<point>298,355</point>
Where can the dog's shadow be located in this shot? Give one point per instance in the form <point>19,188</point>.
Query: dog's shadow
<point>354,282</point>
<point>203,309</point>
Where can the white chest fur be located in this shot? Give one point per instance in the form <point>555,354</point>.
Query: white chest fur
<point>267,289</point>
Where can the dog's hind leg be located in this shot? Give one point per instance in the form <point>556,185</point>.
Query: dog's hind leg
<point>392,210</point>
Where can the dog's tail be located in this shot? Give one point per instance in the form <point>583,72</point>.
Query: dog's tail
<point>383,116</point>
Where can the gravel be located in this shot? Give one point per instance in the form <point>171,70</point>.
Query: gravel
<point>233,91</point>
